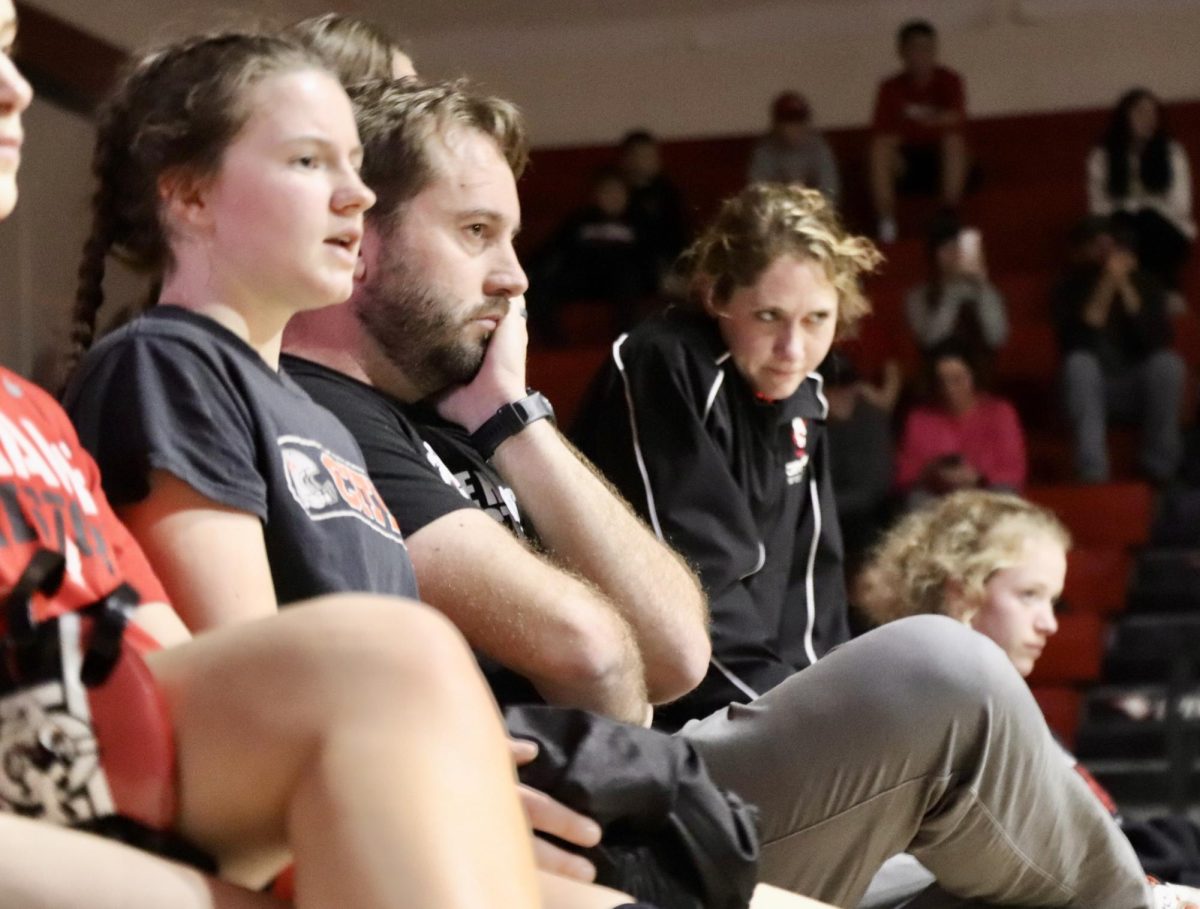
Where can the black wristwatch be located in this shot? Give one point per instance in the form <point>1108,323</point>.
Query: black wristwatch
<point>510,420</point>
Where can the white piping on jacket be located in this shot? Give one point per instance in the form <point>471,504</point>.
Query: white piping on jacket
<point>734,680</point>
<point>633,432</point>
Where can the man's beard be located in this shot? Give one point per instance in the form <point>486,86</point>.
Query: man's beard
<point>415,329</point>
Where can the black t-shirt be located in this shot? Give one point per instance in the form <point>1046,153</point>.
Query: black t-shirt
<point>420,473</point>
<point>176,391</point>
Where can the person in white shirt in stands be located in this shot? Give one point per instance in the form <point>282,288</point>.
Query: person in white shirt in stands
<point>1140,176</point>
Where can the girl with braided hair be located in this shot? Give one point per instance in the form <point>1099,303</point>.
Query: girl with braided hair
<point>227,168</point>
<point>354,733</point>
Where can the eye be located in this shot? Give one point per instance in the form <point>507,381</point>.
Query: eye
<point>816,318</point>
<point>766,315</point>
<point>308,162</point>
<point>477,230</point>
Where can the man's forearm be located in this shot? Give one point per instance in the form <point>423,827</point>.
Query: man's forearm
<point>589,529</point>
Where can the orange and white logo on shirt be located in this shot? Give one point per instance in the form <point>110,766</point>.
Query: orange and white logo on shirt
<point>327,486</point>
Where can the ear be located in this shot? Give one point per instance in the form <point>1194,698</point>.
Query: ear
<point>708,299</point>
<point>183,198</point>
<point>368,255</point>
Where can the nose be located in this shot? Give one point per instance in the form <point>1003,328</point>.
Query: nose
<point>1047,621</point>
<point>15,92</point>
<point>506,278</point>
<point>353,196</point>
<point>789,343</point>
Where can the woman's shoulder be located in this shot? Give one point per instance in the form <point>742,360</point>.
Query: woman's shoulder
<point>676,336</point>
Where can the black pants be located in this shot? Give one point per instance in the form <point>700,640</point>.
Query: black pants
<point>1161,247</point>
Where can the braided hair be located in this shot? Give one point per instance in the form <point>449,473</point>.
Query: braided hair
<point>175,111</point>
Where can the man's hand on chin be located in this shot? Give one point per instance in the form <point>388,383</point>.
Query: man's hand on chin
<point>501,376</point>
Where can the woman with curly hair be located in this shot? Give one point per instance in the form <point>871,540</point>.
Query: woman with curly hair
<point>1140,177</point>
<point>997,563</point>
<point>711,421</point>
<point>992,560</point>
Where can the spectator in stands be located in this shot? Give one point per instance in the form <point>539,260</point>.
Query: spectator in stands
<point>1115,337</point>
<point>794,151</point>
<point>356,49</point>
<point>998,563</point>
<point>716,410</point>
<point>655,204</point>
<point>958,303</point>
<point>1140,177</point>
<point>431,793</point>
<point>597,254</point>
<point>918,135</point>
<point>861,449</point>
<point>818,802</point>
<point>963,438</point>
<point>989,559</point>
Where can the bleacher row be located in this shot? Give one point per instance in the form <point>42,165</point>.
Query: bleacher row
<point>1032,191</point>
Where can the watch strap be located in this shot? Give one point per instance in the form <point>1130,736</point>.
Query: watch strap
<point>510,420</point>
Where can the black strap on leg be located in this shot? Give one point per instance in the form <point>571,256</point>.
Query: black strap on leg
<point>23,656</point>
<point>44,575</point>
<point>111,615</point>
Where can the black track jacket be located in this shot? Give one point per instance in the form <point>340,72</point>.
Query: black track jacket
<point>739,485</point>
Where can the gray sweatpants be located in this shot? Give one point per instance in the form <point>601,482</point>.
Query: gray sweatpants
<point>918,737</point>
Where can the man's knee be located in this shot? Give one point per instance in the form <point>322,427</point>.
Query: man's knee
<point>1165,370</point>
<point>1082,367</point>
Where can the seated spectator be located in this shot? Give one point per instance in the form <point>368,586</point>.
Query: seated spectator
<point>504,520</point>
<point>231,751</point>
<point>711,422</point>
<point>998,563</point>
<point>957,303</point>
<point>918,136</point>
<point>1115,337</point>
<point>1139,176</point>
<point>861,449</point>
<point>962,438</point>
<point>655,205</point>
<point>794,151</point>
<point>597,254</point>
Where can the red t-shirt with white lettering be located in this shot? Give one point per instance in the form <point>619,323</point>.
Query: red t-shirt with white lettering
<point>50,498</point>
<point>901,104</point>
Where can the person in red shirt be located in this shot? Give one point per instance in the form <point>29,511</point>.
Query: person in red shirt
<point>965,439</point>
<point>917,131</point>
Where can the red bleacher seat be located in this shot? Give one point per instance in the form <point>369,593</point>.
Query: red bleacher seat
<point>564,376</point>
<point>1060,705</point>
<point>588,323</point>
<point>1074,654</point>
<point>1097,578</point>
<point>1116,514</point>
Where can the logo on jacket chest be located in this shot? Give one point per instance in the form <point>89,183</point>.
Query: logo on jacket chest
<point>795,468</point>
